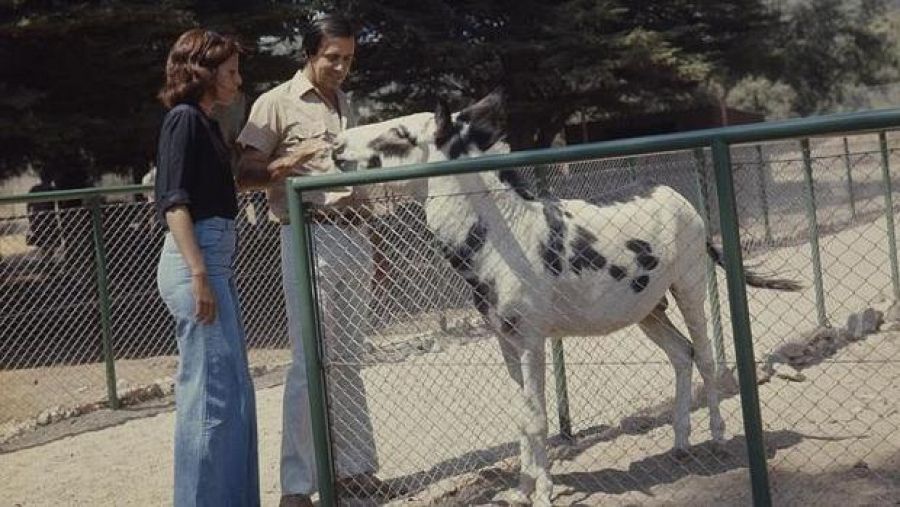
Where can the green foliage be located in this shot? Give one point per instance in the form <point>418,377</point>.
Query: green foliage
<point>758,94</point>
<point>79,80</point>
<point>612,57</point>
<point>827,46</point>
<point>78,84</point>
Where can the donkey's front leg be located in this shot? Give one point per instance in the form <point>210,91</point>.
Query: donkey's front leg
<point>534,454</point>
<point>510,346</point>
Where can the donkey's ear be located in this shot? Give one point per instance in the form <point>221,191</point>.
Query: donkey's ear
<point>487,119</point>
<point>493,103</point>
<point>443,125</point>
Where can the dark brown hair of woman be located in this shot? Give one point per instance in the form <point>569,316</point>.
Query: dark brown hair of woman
<point>192,63</point>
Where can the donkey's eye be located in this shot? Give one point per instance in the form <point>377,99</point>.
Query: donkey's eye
<point>374,161</point>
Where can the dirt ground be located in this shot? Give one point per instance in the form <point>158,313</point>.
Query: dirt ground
<point>80,386</point>
<point>819,452</point>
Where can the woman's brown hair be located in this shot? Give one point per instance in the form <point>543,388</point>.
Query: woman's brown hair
<point>192,63</point>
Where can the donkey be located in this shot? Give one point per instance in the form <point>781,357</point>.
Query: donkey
<point>549,268</point>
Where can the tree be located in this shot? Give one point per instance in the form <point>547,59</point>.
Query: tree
<point>79,80</point>
<point>616,58</point>
<point>78,84</point>
<point>554,58</point>
<point>735,38</point>
<point>828,46</point>
<point>758,94</point>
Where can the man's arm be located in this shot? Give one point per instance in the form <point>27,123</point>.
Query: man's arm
<point>253,169</point>
<point>257,171</point>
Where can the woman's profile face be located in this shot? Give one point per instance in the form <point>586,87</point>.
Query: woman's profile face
<point>227,84</point>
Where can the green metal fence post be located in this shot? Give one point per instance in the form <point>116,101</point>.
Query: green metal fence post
<point>556,345</point>
<point>104,302</point>
<point>632,168</point>
<point>310,331</point>
<point>848,166</point>
<point>712,283</point>
<point>740,322</point>
<point>562,388</point>
<point>813,232</point>
<point>763,192</point>
<point>889,213</point>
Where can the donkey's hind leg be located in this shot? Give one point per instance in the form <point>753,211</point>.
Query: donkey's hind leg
<point>690,295</point>
<point>662,332</point>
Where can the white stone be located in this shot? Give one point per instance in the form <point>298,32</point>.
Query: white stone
<point>893,313</point>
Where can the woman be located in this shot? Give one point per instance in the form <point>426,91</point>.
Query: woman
<point>215,425</point>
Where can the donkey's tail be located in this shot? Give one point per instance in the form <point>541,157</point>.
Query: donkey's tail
<point>755,279</point>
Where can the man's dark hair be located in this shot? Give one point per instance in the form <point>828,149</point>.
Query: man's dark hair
<point>331,25</point>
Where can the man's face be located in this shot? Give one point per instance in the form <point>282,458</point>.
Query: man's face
<point>331,64</point>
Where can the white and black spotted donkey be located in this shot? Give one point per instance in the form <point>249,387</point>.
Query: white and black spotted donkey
<point>542,268</point>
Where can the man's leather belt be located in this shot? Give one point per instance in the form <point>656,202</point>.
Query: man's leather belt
<point>343,217</point>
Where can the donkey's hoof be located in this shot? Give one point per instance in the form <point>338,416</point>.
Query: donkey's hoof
<point>542,493</point>
<point>681,455</point>
<point>513,497</point>
<point>719,450</point>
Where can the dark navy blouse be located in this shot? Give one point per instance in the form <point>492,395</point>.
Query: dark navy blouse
<point>193,166</point>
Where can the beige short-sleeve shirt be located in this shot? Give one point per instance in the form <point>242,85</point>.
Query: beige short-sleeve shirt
<point>284,117</point>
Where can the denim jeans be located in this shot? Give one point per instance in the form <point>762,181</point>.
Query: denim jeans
<point>343,270</point>
<point>216,461</point>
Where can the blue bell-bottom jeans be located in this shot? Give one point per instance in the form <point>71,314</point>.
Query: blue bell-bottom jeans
<point>216,461</point>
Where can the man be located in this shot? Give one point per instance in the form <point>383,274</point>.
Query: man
<point>286,134</point>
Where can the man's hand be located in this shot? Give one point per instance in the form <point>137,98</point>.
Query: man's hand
<point>294,163</point>
<point>256,171</point>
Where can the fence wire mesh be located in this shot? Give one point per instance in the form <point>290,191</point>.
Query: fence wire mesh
<point>51,341</point>
<point>417,379</point>
<point>441,402</point>
<point>444,410</point>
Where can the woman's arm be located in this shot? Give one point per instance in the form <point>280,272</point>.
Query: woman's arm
<point>181,226</point>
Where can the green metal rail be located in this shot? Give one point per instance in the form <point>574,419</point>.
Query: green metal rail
<point>70,195</point>
<point>718,140</point>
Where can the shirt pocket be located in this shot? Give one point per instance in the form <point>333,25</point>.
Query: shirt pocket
<point>303,130</point>
<point>306,128</point>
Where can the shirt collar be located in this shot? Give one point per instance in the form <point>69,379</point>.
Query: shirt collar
<point>301,86</point>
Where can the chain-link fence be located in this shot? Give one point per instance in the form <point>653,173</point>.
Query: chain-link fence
<point>445,411</point>
<point>55,320</point>
<point>441,403</point>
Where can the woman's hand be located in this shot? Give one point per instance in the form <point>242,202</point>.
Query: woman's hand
<point>204,299</point>
<point>182,227</point>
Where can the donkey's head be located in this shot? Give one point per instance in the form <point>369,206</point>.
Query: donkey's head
<point>424,137</point>
<point>477,129</point>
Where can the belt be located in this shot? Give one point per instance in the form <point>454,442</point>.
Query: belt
<point>343,217</point>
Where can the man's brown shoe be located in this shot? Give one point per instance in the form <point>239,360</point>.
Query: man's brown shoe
<point>297,500</point>
<point>367,485</point>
